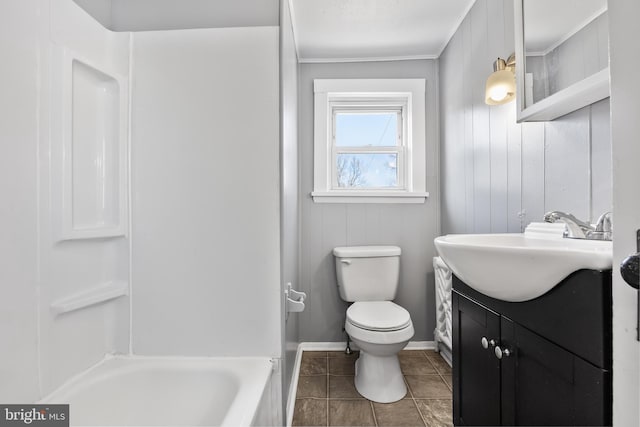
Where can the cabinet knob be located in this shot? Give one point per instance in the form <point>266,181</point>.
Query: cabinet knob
<point>502,352</point>
<point>486,343</point>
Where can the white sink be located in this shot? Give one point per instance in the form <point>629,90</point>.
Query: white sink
<point>514,267</point>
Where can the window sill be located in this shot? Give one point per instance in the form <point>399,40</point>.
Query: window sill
<point>368,197</point>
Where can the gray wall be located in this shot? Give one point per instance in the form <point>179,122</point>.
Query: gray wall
<point>325,226</point>
<point>498,176</point>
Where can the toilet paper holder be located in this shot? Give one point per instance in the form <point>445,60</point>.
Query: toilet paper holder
<point>294,299</point>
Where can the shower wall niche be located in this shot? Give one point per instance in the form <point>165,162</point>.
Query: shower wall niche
<point>83,268</point>
<point>92,179</point>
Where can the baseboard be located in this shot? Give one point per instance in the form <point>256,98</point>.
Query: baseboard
<point>445,353</point>
<point>331,346</point>
<point>340,346</point>
<point>323,346</point>
<point>421,345</point>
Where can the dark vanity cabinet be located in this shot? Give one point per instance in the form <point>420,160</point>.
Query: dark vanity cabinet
<point>545,361</point>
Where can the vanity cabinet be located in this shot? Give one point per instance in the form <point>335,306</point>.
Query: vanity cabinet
<point>541,362</point>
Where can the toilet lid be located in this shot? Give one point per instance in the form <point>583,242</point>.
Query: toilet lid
<point>378,316</point>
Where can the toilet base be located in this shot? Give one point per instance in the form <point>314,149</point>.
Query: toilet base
<point>379,378</point>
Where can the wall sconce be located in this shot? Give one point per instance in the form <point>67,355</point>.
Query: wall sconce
<point>501,84</point>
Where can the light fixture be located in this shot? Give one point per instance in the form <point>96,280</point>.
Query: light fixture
<point>501,84</point>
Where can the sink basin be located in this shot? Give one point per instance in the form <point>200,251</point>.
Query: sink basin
<point>515,267</point>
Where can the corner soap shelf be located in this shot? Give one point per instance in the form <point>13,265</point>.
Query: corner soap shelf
<point>96,295</point>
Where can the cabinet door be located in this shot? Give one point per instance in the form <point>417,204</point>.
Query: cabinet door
<point>476,370</point>
<point>544,384</point>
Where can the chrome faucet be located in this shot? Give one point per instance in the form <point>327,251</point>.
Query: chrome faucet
<point>582,230</point>
<point>575,228</point>
<point>604,228</point>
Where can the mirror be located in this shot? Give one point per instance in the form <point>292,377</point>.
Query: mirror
<point>565,45</point>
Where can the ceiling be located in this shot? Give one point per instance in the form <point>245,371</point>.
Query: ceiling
<point>150,15</point>
<point>324,30</point>
<point>147,15</point>
<point>360,30</point>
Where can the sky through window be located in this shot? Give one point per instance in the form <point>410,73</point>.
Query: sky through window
<point>367,169</point>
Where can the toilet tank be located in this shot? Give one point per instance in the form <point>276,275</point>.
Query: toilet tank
<point>367,273</point>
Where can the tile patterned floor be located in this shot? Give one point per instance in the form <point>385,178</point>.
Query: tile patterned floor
<point>326,395</point>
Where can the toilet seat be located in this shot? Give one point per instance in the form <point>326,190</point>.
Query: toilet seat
<point>378,322</point>
<point>378,316</point>
<point>379,337</point>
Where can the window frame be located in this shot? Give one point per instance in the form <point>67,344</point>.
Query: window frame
<point>405,96</point>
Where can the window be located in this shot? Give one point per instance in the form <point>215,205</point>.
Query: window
<point>367,147</point>
<point>369,141</point>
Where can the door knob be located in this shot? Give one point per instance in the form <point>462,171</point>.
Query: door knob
<point>486,343</point>
<point>630,270</point>
<point>502,352</point>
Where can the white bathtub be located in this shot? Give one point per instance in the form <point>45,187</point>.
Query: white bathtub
<point>146,391</point>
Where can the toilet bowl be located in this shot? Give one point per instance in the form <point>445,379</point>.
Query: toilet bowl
<point>368,277</point>
<point>380,329</point>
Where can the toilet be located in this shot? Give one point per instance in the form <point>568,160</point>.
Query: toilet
<point>368,277</point>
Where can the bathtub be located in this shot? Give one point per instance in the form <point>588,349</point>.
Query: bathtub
<point>158,391</point>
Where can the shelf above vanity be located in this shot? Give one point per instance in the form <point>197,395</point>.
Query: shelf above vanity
<point>561,66</point>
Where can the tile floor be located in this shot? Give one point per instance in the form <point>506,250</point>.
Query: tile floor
<point>326,395</point>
